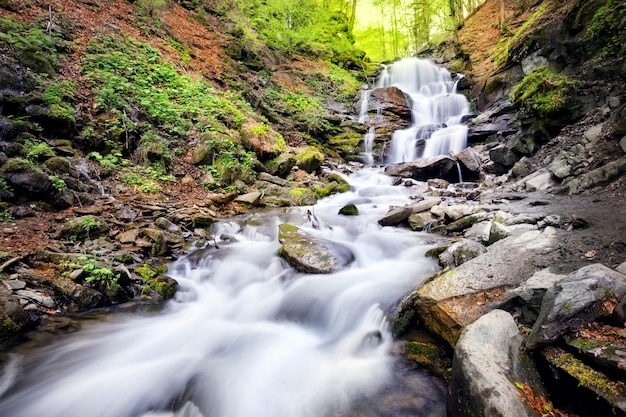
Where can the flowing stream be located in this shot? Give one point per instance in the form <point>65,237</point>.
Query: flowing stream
<point>247,335</point>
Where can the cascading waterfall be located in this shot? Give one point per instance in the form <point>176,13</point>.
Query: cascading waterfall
<point>437,110</point>
<point>247,335</point>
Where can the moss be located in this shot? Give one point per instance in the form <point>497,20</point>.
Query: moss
<point>310,159</point>
<point>543,91</point>
<point>18,165</point>
<point>59,165</point>
<point>343,184</point>
<point>302,197</point>
<point>503,57</point>
<point>586,376</point>
<point>349,210</point>
<point>435,252</point>
<point>9,328</point>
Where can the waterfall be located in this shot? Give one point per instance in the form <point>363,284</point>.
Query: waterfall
<point>437,110</point>
<point>247,335</point>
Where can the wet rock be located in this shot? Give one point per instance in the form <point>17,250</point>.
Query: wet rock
<point>281,165</point>
<point>537,181</point>
<point>394,105</point>
<point>309,159</point>
<point>575,300</point>
<point>38,297</point>
<point>532,291</point>
<point>349,210</point>
<point>397,215</point>
<point>157,238</point>
<point>424,169</point>
<point>466,222</point>
<point>497,232</point>
<point>486,368</point>
<point>310,254</point>
<point>264,176</point>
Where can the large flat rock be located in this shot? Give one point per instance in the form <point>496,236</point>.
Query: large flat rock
<point>451,300</point>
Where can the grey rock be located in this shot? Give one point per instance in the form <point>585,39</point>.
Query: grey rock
<point>38,297</point>
<point>165,224</point>
<point>460,252</point>
<point>574,301</point>
<point>310,254</point>
<point>485,369</point>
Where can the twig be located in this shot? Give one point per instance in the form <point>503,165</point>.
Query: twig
<point>11,262</point>
<point>49,24</point>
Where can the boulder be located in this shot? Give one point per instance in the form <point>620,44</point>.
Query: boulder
<point>452,299</point>
<point>460,252</point>
<point>397,215</point>
<point>84,297</point>
<point>423,169</point>
<point>486,368</point>
<point>252,198</point>
<point>310,254</point>
<point>574,301</point>
<point>598,176</point>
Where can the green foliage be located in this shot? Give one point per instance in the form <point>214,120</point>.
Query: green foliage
<point>543,91</point>
<point>304,109</point>
<point>95,273</point>
<point>83,226</point>
<point>4,185</point>
<point>299,27</point>
<point>6,216</point>
<point>606,27</point>
<point>57,182</point>
<point>111,160</point>
<point>37,149</point>
<point>129,74</point>
<point>58,96</point>
<point>32,46</point>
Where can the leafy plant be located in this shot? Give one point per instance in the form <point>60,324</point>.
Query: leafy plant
<point>95,272</point>
<point>83,225</point>
<point>6,216</point>
<point>36,149</point>
<point>57,182</point>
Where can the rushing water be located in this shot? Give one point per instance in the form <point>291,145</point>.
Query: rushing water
<point>437,110</point>
<point>248,336</point>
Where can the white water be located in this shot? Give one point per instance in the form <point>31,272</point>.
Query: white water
<point>246,335</point>
<point>437,110</point>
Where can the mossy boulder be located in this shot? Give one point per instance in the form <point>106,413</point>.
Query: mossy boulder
<point>310,159</point>
<point>261,139</point>
<point>281,165</point>
<point>302,197</point>
<point>310,254</point>
<point>349,210</point>
<point>84,297</point>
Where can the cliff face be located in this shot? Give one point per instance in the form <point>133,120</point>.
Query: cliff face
<point>562,65</point>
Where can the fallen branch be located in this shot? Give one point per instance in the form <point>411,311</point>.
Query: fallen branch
<point>11,262</point>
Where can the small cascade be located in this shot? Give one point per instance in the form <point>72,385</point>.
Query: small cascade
<point>368,138</point>
<point>368,145</point>
<point>436,113</point>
